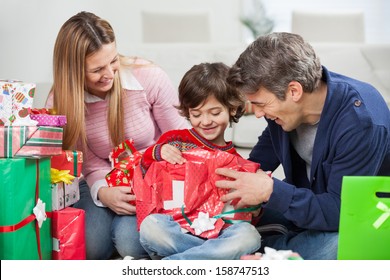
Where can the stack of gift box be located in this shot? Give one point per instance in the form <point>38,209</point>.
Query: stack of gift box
<point>69,223</point>
<point>35,220</point>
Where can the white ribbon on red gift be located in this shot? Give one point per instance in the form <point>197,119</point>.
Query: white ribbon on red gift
<point>382,218</point>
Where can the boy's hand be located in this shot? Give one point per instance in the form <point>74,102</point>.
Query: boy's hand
<point>171,154</point>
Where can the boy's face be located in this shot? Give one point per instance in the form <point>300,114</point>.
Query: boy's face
<point>210,120</point>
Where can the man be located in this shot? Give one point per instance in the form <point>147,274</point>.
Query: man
<point>321,126</point>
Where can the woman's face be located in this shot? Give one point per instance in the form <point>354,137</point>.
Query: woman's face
<point>101,67</point>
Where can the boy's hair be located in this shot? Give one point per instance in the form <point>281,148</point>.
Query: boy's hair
<point>209,79</point>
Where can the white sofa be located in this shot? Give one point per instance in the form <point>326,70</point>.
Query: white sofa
<point>367,62</point>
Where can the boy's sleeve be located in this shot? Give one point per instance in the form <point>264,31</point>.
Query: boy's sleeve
<point>153,153</point>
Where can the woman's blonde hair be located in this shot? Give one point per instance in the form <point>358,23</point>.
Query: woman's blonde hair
<point>80,36</point>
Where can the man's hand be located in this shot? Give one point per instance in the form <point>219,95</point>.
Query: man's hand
<point>117,199</point>
<point>250,188</point>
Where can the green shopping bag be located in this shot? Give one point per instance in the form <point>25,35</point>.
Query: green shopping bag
<point>364,232</point>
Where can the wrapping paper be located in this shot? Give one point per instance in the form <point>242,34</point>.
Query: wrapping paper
<point>124,159</point>
<point>68,229</point>
<point>16,98</point>
<point>64,195</point>
<point>49,120</point>
<point>23,182</point>
<point>158,191</point>
<point>30,141</point>
<point>68,160</point>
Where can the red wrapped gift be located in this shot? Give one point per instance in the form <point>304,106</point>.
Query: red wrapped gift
<point>68,160</point>
<point>124,159</point>
<point>68,230</point>
<point>30,141</point>
<point>188,191</point>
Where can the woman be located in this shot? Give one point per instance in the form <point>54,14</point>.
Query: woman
<point>107,98</point>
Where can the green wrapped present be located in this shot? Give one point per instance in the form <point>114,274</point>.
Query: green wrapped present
<point>24,189</point>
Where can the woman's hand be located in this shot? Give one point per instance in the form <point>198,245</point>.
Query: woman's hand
<point>172,154</point>
<point>250,188</point>
<point>117,199</point>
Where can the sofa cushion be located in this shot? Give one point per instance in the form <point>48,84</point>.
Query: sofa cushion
<point>354,60</point>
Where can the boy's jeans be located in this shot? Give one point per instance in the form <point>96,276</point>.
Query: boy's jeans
<point>160,235</point>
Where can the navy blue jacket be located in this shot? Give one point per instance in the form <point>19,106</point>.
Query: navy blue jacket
<point>353,138</point>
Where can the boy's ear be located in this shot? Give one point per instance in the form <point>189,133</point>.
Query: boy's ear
<point>233,112</point>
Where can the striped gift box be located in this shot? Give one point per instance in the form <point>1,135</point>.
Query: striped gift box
<point>30,141</point>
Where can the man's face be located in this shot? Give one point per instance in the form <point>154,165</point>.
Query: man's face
<point>286,113</point>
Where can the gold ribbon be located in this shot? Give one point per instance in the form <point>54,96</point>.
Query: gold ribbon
<point>58,176</point>
<point>382,218</point>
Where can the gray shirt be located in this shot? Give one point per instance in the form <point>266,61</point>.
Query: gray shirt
<point>302,139</point>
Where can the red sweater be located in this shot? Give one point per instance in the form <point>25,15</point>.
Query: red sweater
<point>184,140</point>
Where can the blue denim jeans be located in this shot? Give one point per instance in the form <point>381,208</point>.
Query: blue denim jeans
<point>162,236</point>
<point>310,244</point>
<point>106,232</point>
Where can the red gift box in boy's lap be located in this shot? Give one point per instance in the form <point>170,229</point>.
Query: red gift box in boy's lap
<point>188,191</point>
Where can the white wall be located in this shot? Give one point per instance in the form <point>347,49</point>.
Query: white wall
<point>28,28</point>
<point>376,14</point>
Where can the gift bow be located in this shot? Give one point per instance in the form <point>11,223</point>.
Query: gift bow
<point>205,223</point>
<point>39,212</point>
<point>61,176</point>
<point>382,218</point>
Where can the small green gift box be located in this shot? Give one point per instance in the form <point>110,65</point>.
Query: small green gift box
<point>25,196</point>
